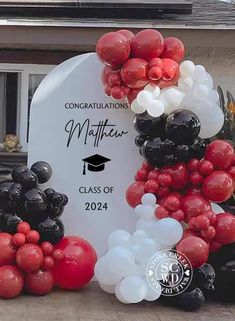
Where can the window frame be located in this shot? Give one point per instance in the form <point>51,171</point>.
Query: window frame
<point>24,71</point>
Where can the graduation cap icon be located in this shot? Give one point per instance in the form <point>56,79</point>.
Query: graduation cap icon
<point>95,163</point>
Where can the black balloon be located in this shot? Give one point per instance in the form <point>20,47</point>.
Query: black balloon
<point>27,179</point>
<point>15,192</point>
<point>139,140</point>
<point>49,193</point>
<point>35,201</point>
<point>42,170</point>
<point>65,200</point>
<point>18,170</point>
<point>149,126</point>
<point>153,152</point>
<point>51,230</point>
<point>190,301</point>
<point>197,150</point>
<point>182,127</point>
<point>11,223</point>
<point>57,199</point>
<point>4,195</point>
<point>204,276</point>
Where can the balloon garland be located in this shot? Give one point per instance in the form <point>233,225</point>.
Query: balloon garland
<point>186,172</point>
<point>34,254</point>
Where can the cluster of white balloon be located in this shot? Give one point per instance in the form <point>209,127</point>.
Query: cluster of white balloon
<point>194,91</point>
<point>123,269</point>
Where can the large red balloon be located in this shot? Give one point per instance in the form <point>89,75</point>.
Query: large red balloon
<point>40,282</point>
<point>134,73</point>
<point>173,49</point>
<point>220,153</point>
<point>29,257</point>
<point>127,34</point>
<point>11,281</point>
<point>113,49</point>
<point>147,44</point>
<point>194,205</point>
<point>218,186</point>
<point>134,193</point>
<point>7,249</point>
<point>225,228</point>
<point>195,249</point>
<point>179,173</point>
<point>77,267</point>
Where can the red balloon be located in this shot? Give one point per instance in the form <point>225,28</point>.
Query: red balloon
<point>11,281</point>
<point>40,282</point>
<point>164,83</point>
<point>108,71</point>
<point>113,49</point>
<point>147,44</point>
<point>7,249</point>
<point>194,205</point>
<point>225,228</point>
<point>195,249</point>
<point>134,193</point>
<point>179,173</point>
<point>220,153</point>
<point>127,34</point>
<point>173,49</point>
<point>29,257</point>
<point>134,73</point>
<point>77,267</point>
<point>218,186</point>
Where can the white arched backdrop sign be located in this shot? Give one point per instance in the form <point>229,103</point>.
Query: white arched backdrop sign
<point>71,120</point>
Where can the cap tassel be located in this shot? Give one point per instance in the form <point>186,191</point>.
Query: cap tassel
<point>84,169</point>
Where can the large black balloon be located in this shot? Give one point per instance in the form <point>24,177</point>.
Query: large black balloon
<point>182,127</point>
<point>51,230</point>
<point>42,170</point>
<point>149,126</point>
<point>35,201</point>
<point>190,301</point>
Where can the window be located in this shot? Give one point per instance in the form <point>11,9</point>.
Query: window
<point>18,83</point>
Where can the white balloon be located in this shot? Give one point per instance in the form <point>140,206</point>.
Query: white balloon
<point>138,236</point>
<point>120,260</point>
<point>144,97</point>
<point>107,288</point>
<point>172,99</point>
<point>137,108</point>
<point>146,249</point>
<point>200,69</point>
<point>153,294</point>
<point>203,78</point>
<point>216,208</point>
<point>155,90</point>
<point>146,212</point>
<point>138,210</point>
<point>133,289</point>
<point>155,108</point>
<point>147,226</point>
<point>214,96</point>
<point>200,91</point>
<point>187,68</point>
<point>118,294</point>
<point>103,273</point>
<point>148,199</point>
<point>164,247</point>
<point>119,238</point>
<point>185,84</point>
<point>211,123</point>
<point>168,231</point>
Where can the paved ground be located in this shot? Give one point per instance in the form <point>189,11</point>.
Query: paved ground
<point>91,304</point>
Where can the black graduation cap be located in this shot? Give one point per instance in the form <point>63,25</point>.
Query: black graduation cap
<point>95,163</point>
